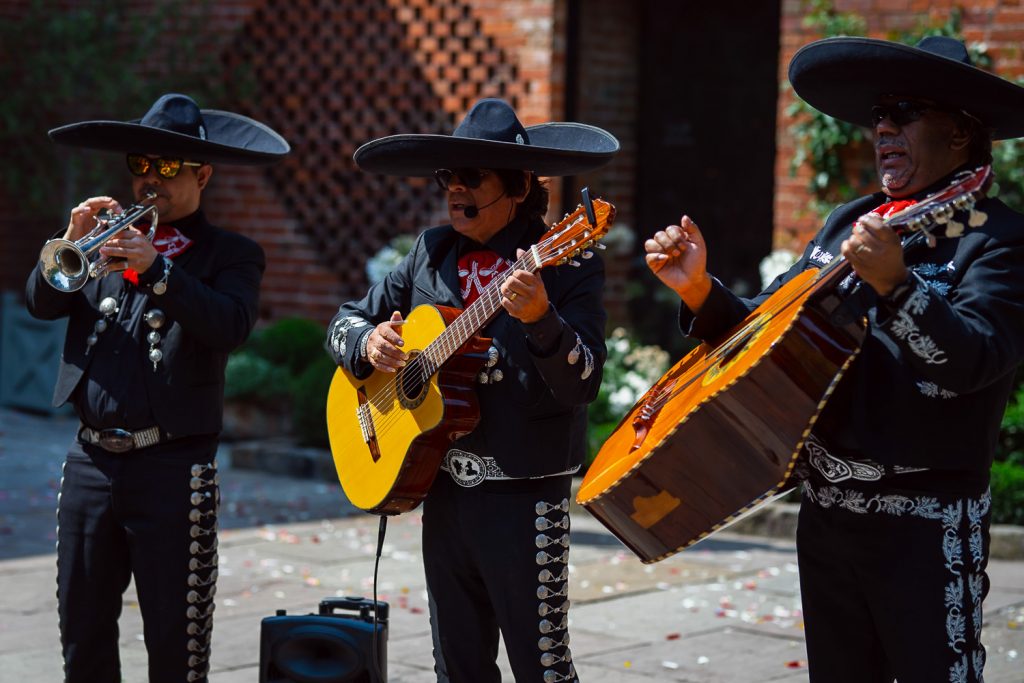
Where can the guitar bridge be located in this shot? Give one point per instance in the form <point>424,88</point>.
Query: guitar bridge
<point>366,425</point>
<point>644,417</point>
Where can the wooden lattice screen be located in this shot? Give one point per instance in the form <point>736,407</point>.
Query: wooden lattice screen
<point>333,75</point>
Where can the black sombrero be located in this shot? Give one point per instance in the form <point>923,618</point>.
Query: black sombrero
<point>491,136</point>
<point>176,126</point>
<point>844,77</point>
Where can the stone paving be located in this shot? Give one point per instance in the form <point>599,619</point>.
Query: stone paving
<point>727,610</point>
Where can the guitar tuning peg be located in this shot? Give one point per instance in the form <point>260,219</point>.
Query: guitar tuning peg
<point>574,263</point>
<point>954,228</point>
<point>588,254</point>
<point>977,218</point>
<point>598,245</point>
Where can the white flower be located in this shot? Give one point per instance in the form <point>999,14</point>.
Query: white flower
<point>775,264</point>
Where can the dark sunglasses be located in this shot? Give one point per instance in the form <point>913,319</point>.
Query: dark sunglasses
<point>901,113</point>
<point>470,177</point>
<point>139,165</point>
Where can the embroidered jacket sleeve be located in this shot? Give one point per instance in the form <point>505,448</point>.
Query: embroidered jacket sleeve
<point>966,339</point>
<point>356,319</point>
<point>567,345</point>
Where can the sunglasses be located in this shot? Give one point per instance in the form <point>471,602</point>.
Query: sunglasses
<point>901,113</point>
<point>470,177</point>
<point>139,165</point>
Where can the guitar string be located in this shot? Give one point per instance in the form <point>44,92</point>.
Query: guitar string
<point>724,348</point>
<point>424,365</point>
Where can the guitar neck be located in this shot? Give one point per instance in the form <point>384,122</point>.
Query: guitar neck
<point>473,318</point>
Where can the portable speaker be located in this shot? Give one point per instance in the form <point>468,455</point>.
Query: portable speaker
<point>328,647</point>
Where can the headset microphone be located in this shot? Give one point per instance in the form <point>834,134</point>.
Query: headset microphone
<point>472,212</point>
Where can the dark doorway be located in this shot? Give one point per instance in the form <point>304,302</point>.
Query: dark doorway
<point>709,85</point>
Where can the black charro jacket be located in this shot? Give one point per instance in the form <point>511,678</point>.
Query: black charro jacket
<point>211,304</point>
<point>533,422</point>
<point>931,383</point>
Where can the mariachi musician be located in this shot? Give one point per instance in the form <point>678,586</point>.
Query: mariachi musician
<point>143,366</point>
<point>893,531</point>
<point>495,522</point>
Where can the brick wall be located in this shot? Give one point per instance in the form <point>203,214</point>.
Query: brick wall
<point>606,95</point>
<point>999,24</point>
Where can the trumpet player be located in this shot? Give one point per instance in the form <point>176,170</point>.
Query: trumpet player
<point>147,341</point>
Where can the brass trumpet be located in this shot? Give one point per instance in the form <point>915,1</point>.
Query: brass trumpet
<point>68,265</point>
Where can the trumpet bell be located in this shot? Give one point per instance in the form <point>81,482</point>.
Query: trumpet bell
<point>67,265</point>
<point>64,265</point>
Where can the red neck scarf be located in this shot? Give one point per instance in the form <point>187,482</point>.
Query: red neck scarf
<point>476,270</point>
<point>168,241</point>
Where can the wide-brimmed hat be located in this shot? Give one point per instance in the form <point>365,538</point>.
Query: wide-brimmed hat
<point>844,77</point>
<point>176,126</point>
<point>491,136</point>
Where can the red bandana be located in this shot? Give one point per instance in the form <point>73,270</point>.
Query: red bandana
<point>168,241</point>
<point>476,270</point>
<point>895,206</point>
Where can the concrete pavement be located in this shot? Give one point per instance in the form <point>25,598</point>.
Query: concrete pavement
<point>726,611</point>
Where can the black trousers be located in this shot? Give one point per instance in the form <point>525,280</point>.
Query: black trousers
<point>496,558</point>
<point>151,513</point>
<point>892,580</point>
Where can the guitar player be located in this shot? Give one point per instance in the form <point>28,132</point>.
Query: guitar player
<point>495,521</point>
<point>893,531</point>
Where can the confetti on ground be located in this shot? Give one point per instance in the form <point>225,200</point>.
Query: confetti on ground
<point>673,636</point>
<point>796,664</point>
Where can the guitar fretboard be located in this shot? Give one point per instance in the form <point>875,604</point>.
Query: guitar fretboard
<point>472,319</point>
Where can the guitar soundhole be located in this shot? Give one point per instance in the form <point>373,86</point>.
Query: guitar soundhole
<point>738,346</point>
<point>412,385</point>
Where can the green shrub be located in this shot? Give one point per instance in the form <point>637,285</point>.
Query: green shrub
<point>1007,493</point>
<point>250,377</point>
<point>1011,435</point>
<point>309,401</point>
<point>292,343</point>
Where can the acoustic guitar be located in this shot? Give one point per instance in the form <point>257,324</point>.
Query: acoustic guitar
<point>718,435</point>
<point>390,431</point>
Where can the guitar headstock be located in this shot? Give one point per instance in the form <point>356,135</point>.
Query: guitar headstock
<point>575,234</point>
<point>936,214</point>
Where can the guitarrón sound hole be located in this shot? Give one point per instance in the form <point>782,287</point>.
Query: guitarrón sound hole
<point>412,385</point>
<point>734,349</point>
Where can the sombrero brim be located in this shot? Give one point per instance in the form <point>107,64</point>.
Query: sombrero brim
<point>230,139</point>
<point>843,77</point>
<point>555,149</point>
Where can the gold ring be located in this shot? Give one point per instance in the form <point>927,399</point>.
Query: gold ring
<point>512,295</point>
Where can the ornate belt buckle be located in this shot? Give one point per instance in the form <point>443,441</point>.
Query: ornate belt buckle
<point>467,469</point>
<point>116,440</point>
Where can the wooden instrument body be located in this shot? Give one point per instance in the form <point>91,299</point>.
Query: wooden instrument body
<point>725,425</point>
<point>412,433</point>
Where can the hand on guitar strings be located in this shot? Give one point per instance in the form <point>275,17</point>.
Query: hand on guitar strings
<point>523,295</point>
<point>875,252</point>
<point>382,348</point>
<point>677,255</point>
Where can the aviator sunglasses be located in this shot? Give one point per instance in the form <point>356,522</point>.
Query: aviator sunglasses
<point>139,165</point>
<point>901,113</point>
<point>470,177</point>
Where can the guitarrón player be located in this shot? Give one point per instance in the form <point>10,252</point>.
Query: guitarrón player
<point>893,531</point>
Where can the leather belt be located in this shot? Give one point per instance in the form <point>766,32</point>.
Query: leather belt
<point>469,469</point>
<point>118,440</point>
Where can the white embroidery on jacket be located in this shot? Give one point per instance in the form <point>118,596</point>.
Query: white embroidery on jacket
<point>340,330</point>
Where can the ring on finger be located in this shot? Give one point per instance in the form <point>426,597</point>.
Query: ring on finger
<point>512,295</point>
<point>860,248</point>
